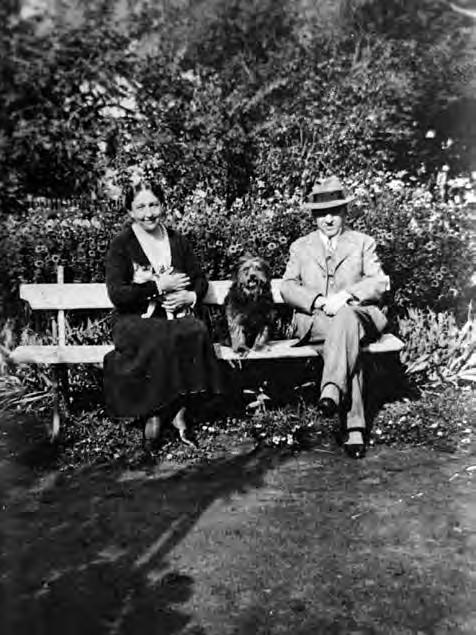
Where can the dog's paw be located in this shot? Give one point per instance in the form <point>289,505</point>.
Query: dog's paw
<point>262,346</point>
<point>241,349</point>
<point>262,340</point>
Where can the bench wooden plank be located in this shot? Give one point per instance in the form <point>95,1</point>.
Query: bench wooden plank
<point>94,354</point>
<point>285,349</point>
<point>75,354</point>
<point>51,297</point>
<point>71,296</point>
<point>93,295</point>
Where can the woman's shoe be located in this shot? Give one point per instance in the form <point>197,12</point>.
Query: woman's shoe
<point>179,422</point>
<point>328,407</point>
<point>151,433</point>
<point>355,448</point>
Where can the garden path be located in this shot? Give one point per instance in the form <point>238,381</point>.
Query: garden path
<point>249,542</point>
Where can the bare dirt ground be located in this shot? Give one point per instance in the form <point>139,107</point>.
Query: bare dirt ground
<point>251,540</point>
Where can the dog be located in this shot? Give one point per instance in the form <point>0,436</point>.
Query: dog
<point>249,305</point>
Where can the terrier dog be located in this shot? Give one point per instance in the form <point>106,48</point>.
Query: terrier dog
<point>249,305</point>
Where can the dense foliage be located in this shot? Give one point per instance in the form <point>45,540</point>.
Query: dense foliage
<point>219,93</point>
<point>423,242</point>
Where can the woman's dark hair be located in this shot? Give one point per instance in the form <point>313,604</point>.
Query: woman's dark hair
<point>132,191</point>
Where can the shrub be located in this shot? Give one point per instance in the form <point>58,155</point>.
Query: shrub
<point>74,235</point>
<point>436,349</point>
<point>423,242</point>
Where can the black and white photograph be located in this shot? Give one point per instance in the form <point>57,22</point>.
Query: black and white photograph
<point>237,317</point>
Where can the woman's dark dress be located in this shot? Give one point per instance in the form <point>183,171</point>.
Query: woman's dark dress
<point>155,361</point>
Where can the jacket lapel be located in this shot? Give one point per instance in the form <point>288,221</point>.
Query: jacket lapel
<point>175,254</point>
<point>345,246</point>
<point>317,250</point>
<point>135,250</point>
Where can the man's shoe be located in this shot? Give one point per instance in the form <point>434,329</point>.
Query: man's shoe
<point>355,450</point>
<point>328,407</point>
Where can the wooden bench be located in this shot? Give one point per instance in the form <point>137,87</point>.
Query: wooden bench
<point>59,297</point>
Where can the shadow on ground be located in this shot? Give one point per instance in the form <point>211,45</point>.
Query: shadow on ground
<point>86,552</point>
<point>248,543</point>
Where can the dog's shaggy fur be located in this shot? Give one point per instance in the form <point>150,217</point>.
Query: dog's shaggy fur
<point>249,305</point>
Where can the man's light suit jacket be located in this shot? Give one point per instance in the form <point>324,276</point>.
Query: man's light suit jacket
<point>354,267</point>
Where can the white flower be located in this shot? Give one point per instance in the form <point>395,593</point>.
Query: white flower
<point>396,185</point>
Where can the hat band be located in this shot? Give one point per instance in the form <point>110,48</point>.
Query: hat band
<point>327,197</point>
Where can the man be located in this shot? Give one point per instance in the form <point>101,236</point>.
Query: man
<point>334,281</point>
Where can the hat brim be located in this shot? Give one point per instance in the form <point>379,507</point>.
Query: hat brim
<point>328,204</point>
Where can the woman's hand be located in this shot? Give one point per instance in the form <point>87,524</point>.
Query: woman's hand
<point>178,300</point>
<point>172,282</point>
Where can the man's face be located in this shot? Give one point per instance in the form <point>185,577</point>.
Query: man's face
<point>330,221</point>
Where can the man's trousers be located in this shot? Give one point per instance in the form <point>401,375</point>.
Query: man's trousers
<point>343,335</point>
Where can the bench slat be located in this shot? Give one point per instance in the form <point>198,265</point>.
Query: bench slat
<point>88,354</point>
<point>77,295</point>
<point>51,297</point>
<point>91,354</point>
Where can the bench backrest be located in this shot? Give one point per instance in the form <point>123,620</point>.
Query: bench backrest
<point>71,296</point>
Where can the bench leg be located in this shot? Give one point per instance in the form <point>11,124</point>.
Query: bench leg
<point>63,379</point>
<point>56,420</point>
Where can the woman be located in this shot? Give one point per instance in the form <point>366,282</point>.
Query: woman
<point>162,353</point>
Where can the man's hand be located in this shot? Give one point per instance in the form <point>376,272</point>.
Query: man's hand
<point>319,302</point>
<point>336,302</point>
<point>178,300</point>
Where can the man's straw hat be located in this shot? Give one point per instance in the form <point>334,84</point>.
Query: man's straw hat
<point>326,194</point>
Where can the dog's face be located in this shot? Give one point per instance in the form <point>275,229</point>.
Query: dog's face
<point>253,275</point>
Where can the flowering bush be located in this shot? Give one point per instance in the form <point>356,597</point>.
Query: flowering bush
<point>75,235</point>
<point>423,242</point>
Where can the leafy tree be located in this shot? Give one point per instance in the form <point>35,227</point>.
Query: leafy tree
<point>220,94</point>
<point>56,84</point>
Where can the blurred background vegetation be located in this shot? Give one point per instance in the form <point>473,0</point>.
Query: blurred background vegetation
<point>220,93</point>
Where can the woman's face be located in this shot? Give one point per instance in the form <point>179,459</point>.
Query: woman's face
<point>146,210</point>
